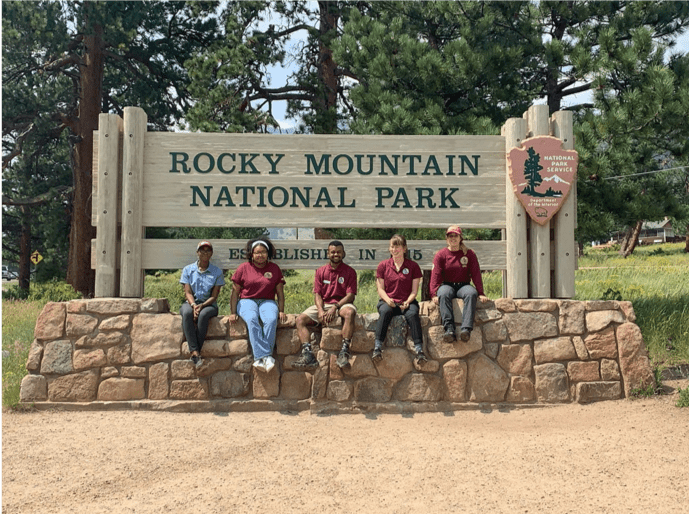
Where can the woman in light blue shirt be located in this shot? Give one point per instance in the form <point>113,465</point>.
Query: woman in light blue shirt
<point>202,282</point>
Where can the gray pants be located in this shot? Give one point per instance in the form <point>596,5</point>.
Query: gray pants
<point>195,333</point>
<point>468,294</point>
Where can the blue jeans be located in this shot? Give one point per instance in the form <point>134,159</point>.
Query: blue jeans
<point>468,294</point>
<point>256,313</point>
<point>195,333</point>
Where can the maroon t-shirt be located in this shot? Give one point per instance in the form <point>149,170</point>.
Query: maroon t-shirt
<point>455,267</point>
<point>334,284</point>
<point>398,284</point>
<point>259,283</point>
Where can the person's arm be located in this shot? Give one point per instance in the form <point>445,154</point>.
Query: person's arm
<point>412,295</point>
<point>320,305</point>
<point>189,295</point>
<point>280,291</point>
<point>436,278</point>
<point>215,292</point>
<point>380,285</point>
<point>475,270</point>
<point>234,298</point>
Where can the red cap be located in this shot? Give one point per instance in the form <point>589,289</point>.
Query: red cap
<point>202,244</point>
<point>453,229</point>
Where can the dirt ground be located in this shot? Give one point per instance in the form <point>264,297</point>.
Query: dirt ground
<point>609,457</point>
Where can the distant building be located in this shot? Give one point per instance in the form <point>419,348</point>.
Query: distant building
<point>652,232</point>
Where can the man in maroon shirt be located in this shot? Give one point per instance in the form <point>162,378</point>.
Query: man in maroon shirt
<point>334,289</point>
<point>454,268</point>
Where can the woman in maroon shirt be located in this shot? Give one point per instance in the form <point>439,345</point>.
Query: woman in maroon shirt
<point>454,268</point>
<point>397,280</point>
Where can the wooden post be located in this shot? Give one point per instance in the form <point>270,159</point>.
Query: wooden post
<point>514,132</point>
<point>131,274</point>
<point>539,125</point>
<point>109,128</point>
<point>565,251</point>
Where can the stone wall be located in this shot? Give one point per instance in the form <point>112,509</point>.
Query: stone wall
<point>131,353</point>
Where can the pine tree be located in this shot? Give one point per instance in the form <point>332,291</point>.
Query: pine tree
<point>532,167</point>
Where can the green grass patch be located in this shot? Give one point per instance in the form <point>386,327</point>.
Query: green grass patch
<point>683,400</point>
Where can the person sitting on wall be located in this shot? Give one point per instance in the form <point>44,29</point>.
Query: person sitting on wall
<point>202,282</point>
<point>397,281</point>
<point>257,283</point>
<point>334,290</point>
<point>453,269</point>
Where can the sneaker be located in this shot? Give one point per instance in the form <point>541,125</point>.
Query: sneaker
<point>465,335</point>
<point>260,364</point>
<point>269,363</point>
<point>421,358</point>
<point>377,354</point>
<point>449,335</point>
<point>306,360</point>
<point>343,358</point>
<point>196,360</point>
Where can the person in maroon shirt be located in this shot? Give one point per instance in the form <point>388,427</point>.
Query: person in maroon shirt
<point>454,268</point>
<point>334,289</point>
<point>256,285</point>
<point>397,280</point>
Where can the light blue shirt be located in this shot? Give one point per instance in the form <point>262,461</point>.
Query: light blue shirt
<point>202,282</point>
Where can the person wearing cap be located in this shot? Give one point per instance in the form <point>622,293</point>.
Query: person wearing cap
<point>202,282</point>
<point>397,280</point>
<point>454,268</point>
<point>334,289</point>
<point>257,283</point>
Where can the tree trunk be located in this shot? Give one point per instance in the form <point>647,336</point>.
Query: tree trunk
<point>25,248</point>
<point>631,239</point>
<point>79,272</point>
<point>326,100</point>
<point>686,241</point>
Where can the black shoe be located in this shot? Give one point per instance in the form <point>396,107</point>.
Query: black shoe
<point>306,360</point>
<point>465,335</point>
<point>421,358</point>
<point>377,354</point>
<point>343,358</point>
<point>196,360</point>
<point>449,335</point>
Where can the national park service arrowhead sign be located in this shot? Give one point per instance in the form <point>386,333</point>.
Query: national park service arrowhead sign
<point>542,174</point>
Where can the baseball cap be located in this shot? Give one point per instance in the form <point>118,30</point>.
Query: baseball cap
<point>453,229</point>
<point>202,244</point>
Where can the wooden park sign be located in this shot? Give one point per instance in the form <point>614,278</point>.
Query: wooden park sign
<point>154,179</point>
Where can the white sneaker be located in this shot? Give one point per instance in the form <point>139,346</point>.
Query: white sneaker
<point>269,363</point>
<point>260,364</point>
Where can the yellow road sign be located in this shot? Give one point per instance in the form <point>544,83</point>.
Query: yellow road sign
<point>36,257</point>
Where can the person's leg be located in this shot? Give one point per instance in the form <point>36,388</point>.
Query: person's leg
<point>445,296</point>
<point>189,327</point>
<point>248,311</point>
<point>202,324</point>
<point>307,359</point>
<point>347,314</point>
<point>385,313</point>
<point>414,322</point>
<point>268,312</point>
<point>469,296</point>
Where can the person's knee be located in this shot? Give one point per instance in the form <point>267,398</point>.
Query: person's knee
<point>348,314</point>
<point>303,321</point>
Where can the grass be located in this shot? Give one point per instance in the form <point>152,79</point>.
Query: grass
<point>655,279</point>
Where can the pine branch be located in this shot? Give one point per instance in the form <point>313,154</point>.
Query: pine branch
<point>59,191</point>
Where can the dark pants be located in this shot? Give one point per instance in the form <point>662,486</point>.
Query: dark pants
<point>195,333</point>
<point>447,293</point>
<point>411,315</point>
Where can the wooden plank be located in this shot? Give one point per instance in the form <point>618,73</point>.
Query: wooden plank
<point>563,223</point>
<point>310,254</point>
<point>109,165</point>
<point>538,125</point>
<point>132,277</point>
<point>517,285</point>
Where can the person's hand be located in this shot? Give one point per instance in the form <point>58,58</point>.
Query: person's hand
<point>197,311</point>
<point>282,316</point>
<point>435,300</point>
<point>233,318</point>
<point>483,298</point>
<point>405,305</point>
<point>330,315</point>
<point>391,303</point>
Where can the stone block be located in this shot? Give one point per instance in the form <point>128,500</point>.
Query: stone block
<point>76,306</point>
<point>33,363</point>
<point>418,387</point>
<point>217,328</point>
<point>486,313</point>
<point>397,332</point>
<point>154,305</point>
<point>287,341</point>
<point>156,337</point>
<point>87,359</point>
<point>189,389</point>
<point>335,371</point>
<point>609,370</point>
<point>363,341</point>
<point>521,390</point>
<point>109,371</point>
<point>238,347</point>
<point>368,321</point>
<point>296,385</point>
<point>516,359</point>
<point>102,340</point>
<point>339,391</point>
<point>583,371</point>
<point>553,350</point>
<point>214,348</point>
<point>80,325</point>
<point>266,385</point>
<point>182,369</point>
<point>51,322</point>
<point>551,383</point>
<point>628,310</point>
<point>158,385</point>
<point>396,363</point>
<point>602,344</point>
<point>34,388</point>
<point>78,387</point>
<point>487,382</point>
<point>319,387</point>
<point>210,366</point>
<point>373,389</point>
<point>230,384</point>
<point>238,329</point>
<point>243,364</point>
<point>331,339</point>
<point>121,389</point>
<point>602,305</point>
<point>634,363</point>
<point>118,355</point>
<point>430,366</point>
<point>455,379</point>
<point>57,358</point>
<point>361,365</point>
<point>290,321</point>
<point>120,323</point>
<point>572,317</point>
<point>596,391</point>
<point>536,305</point>
<point>505,305</point>
<point>438,349</point>
<point>598,320</point>
<point>458,310</point>
<point>527,326</point>
<point>491,350</point>
<point>495,331</point>
<point>580,348</point>
<point>113,306</point>
<point>430,310</point>
<point>133,372</point>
